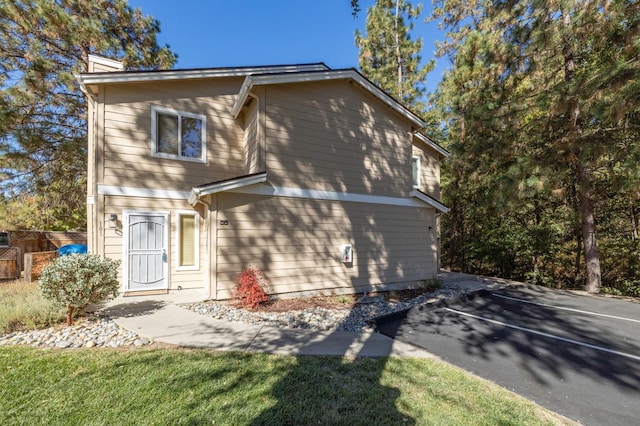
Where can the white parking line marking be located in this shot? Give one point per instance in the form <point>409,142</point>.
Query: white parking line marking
<point>540,333</point>
<point>564,308</point>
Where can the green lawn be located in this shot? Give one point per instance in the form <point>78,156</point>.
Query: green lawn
<point>176,386</point>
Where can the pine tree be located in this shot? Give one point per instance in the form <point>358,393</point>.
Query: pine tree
<point>388,56</point>
<point>545,96</point>
<point>43,45</point>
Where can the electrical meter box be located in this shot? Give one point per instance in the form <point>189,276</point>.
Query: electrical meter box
<point>347,253</point>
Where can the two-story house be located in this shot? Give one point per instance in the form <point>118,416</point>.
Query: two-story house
<point>314,175</point>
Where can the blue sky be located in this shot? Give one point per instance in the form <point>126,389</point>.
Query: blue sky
<point>215,33</point>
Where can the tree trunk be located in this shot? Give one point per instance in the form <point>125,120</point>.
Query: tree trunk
<point>398,55</point>
<point>590,243</point>
<point>69,315</point>
<point>634,222</point>
<point>591,256</point>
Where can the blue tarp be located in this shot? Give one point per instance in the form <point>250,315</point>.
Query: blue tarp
<point>72,249</point>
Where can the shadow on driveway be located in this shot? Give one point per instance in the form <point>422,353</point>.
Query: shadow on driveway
<point>533,353</point>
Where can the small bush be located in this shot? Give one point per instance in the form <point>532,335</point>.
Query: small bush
<point>76,280</point>
<point>431,284</point>
<point>251,288</point>
<point>624,287</point>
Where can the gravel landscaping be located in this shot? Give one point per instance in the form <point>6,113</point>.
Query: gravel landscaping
<point>335,313</point>
<point>89,332</point>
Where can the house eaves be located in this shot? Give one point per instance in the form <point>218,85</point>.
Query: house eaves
<point>426,198</point>
<point>324,75</point>
<point>431,144</point>
<point>197,192</point>
<point>188,74</point>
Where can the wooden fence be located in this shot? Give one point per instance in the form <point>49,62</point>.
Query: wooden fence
<point>34,262</point>
<point>35,242</point>
<point>10,263</point>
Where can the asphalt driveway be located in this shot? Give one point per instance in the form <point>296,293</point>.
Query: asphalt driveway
<point>575,354</point>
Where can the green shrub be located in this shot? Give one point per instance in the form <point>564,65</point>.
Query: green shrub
<point>431,284</point>
<point>624,287</point>
<point>76,280</point>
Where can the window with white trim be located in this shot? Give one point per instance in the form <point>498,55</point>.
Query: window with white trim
<point>187,240</point>
<point>178,135</point>
<point>415,171</point>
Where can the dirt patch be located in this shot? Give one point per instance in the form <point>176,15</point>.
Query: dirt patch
<point>346,301</point>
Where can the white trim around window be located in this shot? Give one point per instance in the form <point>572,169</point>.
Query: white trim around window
<point>187,260</point>
<point>415,171</point>
<point>180,115</point>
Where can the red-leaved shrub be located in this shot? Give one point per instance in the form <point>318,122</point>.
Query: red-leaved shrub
<point>251,288</point>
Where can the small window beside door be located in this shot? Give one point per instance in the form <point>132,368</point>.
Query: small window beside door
<point>187,230</point>
<point>415,171</point>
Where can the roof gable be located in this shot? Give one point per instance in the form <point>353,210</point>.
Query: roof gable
<point>428,199</point>
<point>254,76</point>
<point>322,75</point>
<point>431,144</point>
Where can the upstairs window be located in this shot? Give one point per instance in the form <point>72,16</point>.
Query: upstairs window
<point>179,135</point>
<point>415,171</point>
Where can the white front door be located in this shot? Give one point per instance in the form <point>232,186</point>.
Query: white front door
<point>146,235</point>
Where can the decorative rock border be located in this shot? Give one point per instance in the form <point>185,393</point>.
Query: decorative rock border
<point>358,319</point>
<point>102,331</point>
<point>91,332</point>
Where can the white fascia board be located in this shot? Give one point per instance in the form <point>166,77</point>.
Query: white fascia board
<point>106,61</point>
<point>313,194</point>
<point>431,201</point>
<point>227,185</point>
<point>142,76</point>
<point>384,97</point>
<point>431,144</point>
<point>126,191</point>
<point>258,80</point>
<point>245,89</point>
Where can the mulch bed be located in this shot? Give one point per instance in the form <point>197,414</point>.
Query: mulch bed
<point>347,301</point>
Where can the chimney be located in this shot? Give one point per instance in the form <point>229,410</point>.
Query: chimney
<point>100,64</point>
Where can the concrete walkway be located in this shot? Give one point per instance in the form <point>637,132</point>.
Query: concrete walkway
<point>163,320</point>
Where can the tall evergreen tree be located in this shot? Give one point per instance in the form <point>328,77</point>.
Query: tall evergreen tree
<point>43,45</point>
<point>387,54</point>
<point>541,98</point>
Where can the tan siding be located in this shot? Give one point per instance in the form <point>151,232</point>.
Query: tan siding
<point>113,237</point>
<point>251,145</point>
<point>429,168</point>
<point>95,67</point>
<point>297,243</point>
<point>334,136</point>
<point>127,132</point>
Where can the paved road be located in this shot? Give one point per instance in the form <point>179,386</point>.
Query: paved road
<point>577,355</point>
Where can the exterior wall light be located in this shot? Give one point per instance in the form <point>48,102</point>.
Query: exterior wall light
<point>113,220</point>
